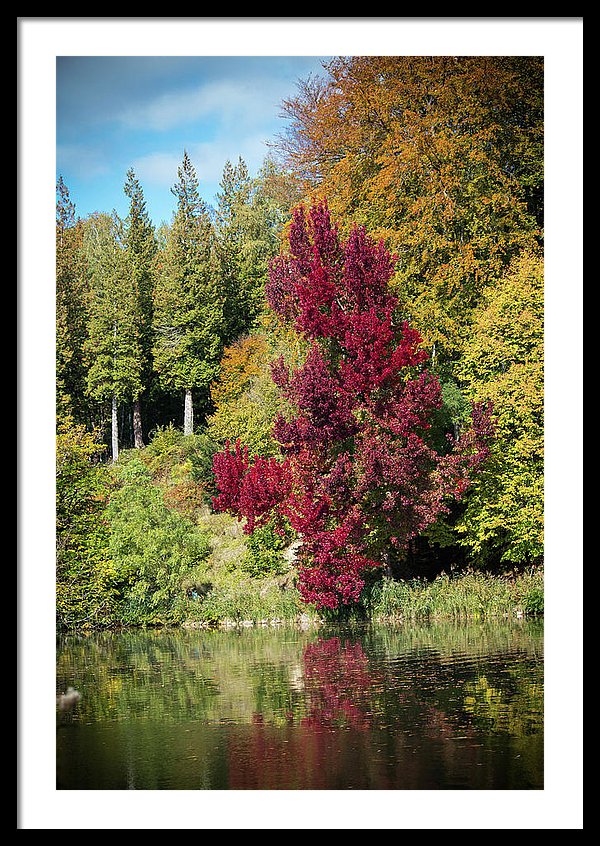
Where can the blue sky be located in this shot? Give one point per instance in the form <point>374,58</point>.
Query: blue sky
<point>113,113</point>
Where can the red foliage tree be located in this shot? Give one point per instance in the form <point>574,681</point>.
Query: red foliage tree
<point>358,475</point>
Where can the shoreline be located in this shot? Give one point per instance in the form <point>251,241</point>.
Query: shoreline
<point>468,597</point>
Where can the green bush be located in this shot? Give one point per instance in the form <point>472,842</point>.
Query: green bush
<point>265,552</point>
<point>169,448</point>
<point>201,459</point>
<point>533,603</point>
<point>84,575</point>
<point>155,551</point>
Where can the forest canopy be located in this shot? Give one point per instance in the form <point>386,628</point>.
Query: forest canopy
<point>345,352</point>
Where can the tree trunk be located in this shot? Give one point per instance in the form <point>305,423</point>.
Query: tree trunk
<point>138,439</point>
<point>188,414</point>
<point>115,430</point>
<point>386,563</point>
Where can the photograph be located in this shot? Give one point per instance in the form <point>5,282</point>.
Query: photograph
<point>295,427</point>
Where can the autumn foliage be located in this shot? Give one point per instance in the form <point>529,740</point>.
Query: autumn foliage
<point>357,478</point>
<point>442,156</point>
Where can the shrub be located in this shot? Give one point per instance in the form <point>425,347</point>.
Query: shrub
<point>84,574</point>
<point>154,550</point>
<point>265,551</point>
<point>533,604</point>
<point>170,448</point>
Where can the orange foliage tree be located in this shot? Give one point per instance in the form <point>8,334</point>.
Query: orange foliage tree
<point>441,157</point>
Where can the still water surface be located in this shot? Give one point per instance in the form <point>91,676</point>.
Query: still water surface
<point>378,707</point>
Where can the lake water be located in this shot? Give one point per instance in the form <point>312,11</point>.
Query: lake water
<point>379,707</point>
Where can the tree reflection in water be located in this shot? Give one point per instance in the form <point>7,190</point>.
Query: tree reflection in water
<point>316,746</point>
<point>338,684</point>
<point>438,707</point>
<point>405,722</point>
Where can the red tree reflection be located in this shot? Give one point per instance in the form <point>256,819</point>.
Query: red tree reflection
<point>337,680</point>
<point>309,753</point>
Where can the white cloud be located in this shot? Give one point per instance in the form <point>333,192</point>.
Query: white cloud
<point>208,157</point>
<point>247,101</point>
<point>81,161</point>
<point>158,168</point>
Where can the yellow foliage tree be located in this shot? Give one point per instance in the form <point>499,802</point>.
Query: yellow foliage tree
<point>503,362</point>
<point>245,397</point>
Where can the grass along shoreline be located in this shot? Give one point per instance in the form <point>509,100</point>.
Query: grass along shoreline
<point>240,597</point>
<point>466,596</point>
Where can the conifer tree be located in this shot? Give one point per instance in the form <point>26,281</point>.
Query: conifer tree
<point>140,244</point>
<point>188,307</point>
<point>71,309</point>
<point>234,194</point>
<point>113,347</point>
<point>247,237</point>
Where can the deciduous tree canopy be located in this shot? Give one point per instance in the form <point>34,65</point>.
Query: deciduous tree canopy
<point>440,156</point>
<point>503,364</point>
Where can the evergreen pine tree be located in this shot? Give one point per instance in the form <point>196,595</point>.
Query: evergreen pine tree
<point>247,236</point>
<point>71,309</point>
<point>113,347</point>
<point>140,244</point>
<point>188,307</point>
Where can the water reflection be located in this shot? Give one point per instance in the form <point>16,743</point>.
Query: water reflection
<point>441,707</point>
<point>338,684</point>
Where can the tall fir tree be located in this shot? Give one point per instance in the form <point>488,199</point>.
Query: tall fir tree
<point>113,347</point>
<point>71,310</point>
<point>188,304</point>
<point>140,244</point>
<point>234,194</point>
<point>248,226</point>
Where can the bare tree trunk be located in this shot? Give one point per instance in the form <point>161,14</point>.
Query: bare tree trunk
<point>188,414</point>
<point>115,430</point>
<point>138,438</point>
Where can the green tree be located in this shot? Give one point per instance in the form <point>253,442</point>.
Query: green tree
<point>188,304</point>
<point>248,224</point>
<point>153,549</point>
<point>503,362</point>
<point>245,398</point>
<point>140,244</point>
<point>281,187</point>
<point>113,347</point>
<point>71,309</point>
